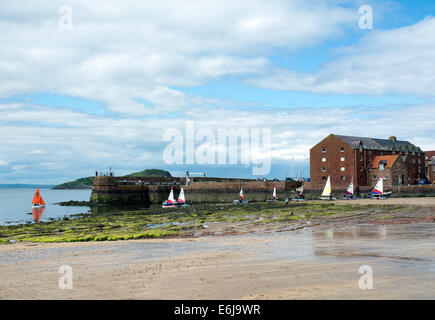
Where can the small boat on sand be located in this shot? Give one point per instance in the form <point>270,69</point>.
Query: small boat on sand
<point>378,190</point>
<point>37,201</point>
<point>170,203</point>
<point>181,201</point>
<point>241,198</point>
<point>274,199</point>
<point>327,191</point>
<point>349,195</point>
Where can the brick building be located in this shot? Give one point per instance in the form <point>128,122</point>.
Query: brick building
<point>430,165</point>
<point>360,158</point>
<point>391,167</point>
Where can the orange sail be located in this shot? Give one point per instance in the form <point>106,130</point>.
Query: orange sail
<point>37,199</point>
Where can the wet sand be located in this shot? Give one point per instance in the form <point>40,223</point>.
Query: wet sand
<point>317,262</point>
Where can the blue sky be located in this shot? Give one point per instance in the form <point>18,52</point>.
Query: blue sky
<point>102,92</point>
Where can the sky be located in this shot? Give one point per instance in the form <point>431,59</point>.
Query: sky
<point>88,85</point>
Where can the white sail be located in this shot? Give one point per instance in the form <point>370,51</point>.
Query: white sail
<point>379,187</point>
<point>241,195</point>
<point>274,193</point>
<point>171,198</point>
<point>349,190</point>
<point>327,192</point>
<point>181,197</point>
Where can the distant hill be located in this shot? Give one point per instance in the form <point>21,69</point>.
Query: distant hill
<point>86,183</point>
<point>150,173</point>
<point>82,183</point>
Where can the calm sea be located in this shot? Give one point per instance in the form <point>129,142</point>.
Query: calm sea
<point>16,204</point>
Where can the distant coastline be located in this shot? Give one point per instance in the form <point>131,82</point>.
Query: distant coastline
<point>25,186</point>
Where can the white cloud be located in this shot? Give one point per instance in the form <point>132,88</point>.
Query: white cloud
<point>399,61</point>
<point>118,52</point>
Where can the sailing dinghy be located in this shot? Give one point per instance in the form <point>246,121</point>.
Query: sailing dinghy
<point>327,191</point>
<point>37,201</point>
<point>171,200</point>
<point>273,196</point>
<point>349,192</point>
<point>241,198</point>
<point>378,190</point>
<point>181,201</point>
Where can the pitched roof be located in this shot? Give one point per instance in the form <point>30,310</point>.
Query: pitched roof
<point>389,159</point>
<point>379,144</point>
<point>429,154</point>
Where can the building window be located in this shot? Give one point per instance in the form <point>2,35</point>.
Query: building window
<point>342,149</point>
<point>374,178</point>
<point>323,178</point>
<point>342,159</point>
<point>371,167</point>
<point>323,149</point>
<point>343,178</point>
<point>381,167</point>
<point>323,159</point>
<point>323,169</point>
<point>342,169</point>
<point>413,160</point>
<point>361,168</point>
<point>385,177</point>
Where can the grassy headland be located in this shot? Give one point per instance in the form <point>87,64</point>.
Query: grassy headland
<point>179,222</point>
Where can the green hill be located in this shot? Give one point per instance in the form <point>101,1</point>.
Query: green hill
<point>82,183</point>
<point>150,173</point>
<point>86,183</point>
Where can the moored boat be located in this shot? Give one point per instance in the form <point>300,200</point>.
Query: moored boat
<point>181,201</point>
<point>37,201</point>
<point>241,198</point>
<point>170,203</point>
<point>274,199</point>
<point>327,191</point>
<point>349,191</point>
<point>378,190</point>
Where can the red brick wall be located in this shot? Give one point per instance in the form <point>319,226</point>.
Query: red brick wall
<point>333,163</point>
<point>431,173</point>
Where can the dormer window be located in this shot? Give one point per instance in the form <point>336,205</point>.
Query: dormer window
<point>381,167</point>
<point>323,149</point>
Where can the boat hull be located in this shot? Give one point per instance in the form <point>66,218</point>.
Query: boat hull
<point>240,202</point>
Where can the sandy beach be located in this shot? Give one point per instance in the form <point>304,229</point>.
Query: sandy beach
<point>315,262</point>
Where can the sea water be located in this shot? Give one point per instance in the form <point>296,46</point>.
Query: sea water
<point>16,204</point>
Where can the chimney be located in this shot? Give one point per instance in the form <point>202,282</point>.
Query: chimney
<point>392,138</point>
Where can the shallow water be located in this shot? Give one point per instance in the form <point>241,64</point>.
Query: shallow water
<point>16,204</point>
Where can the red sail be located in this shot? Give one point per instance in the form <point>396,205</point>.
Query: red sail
<point>36,197</point>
